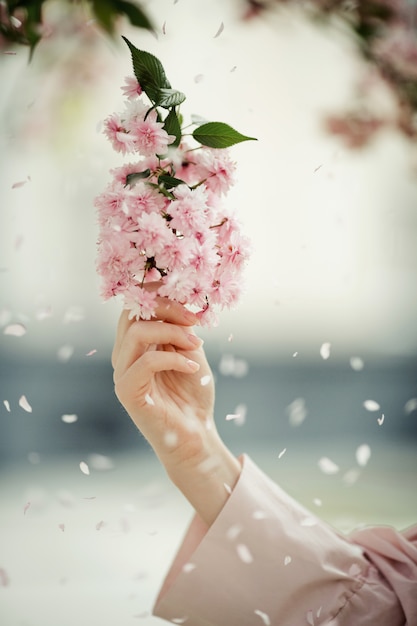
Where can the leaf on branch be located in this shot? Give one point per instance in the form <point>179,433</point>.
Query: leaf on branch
<point>107,12</point>
<point>134,176</point>
<point>172,126</point>
<point>168,98</point>
<point>169,181</point>
<point>135,15</point>
<point>219,135</point>
<point>148,71</point>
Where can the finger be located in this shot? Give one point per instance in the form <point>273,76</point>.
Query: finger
<point>122,326</point>
<point>135,384</point>
<point>166,311</point>
<point>171,310</point>
<point>141,336</point>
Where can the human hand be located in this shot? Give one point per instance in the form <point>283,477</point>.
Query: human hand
<point>163,380</point>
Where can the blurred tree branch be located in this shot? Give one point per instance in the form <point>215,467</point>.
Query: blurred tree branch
<point>22,21</point>
<point>385,32</point>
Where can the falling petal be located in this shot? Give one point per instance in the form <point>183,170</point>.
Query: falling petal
<point>164,32</point>
<point>100,462</point>
<point>234,68</point>
<point>149,400</point>
<point>297,412</point>
<point>325,350</point>
<point>17,330</point>
<point>198,78</point>
<point>410,405</point>
<point>19,183</point>
<point>219,32</point>
<point>4,579</point>
<point>310,617</point>
<point>232,416</point>
<point>240,412</point>
<point>287,560</point>
<point>295,354</point>
<point>91,352</point>
<point>281,454</point>
<point>317,502</point>
<point>354,570</point>
<point>34,458</point>
<point>44,313</point>
<point>66,499</point>
<point>327,466</point>
<point>99,525</point>
<point>65,353</point>
<point>204,380</point>
<point>188,567</point>
<point>234,531</point>
<point>69,419</point>
<point>318,613</point>
<point>7,405</point>
<point>61,527</point>
<point>84,468</point>
<point>74,314</point>
<point>230,338</point>
<point>25,508</point>
<point>264,617</point>
<point>363,454</point>
<point>24,404</point>
<point>381,419</point>
<point>351,476</point>
<point>356,363</point>
<point>371,405</point>
<point>244,553</point>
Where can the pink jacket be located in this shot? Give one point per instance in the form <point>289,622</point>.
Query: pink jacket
<point>267,561</point>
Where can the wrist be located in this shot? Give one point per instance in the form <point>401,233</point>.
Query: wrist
<point>207,477</point>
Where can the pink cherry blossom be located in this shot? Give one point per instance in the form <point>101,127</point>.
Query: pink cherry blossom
<point>120,139</point>
<point>177,236</point>
<point>150,137</point>
<point>131,89</point>
<point>139,302</point>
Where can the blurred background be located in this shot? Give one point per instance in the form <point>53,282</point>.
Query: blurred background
<point>320,357</point>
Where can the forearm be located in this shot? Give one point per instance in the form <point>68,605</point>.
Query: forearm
<point>207,480</point>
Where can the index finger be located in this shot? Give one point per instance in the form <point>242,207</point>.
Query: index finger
<point>166,311</point>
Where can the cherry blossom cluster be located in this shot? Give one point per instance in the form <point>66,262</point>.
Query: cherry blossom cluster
<point>163,228</point>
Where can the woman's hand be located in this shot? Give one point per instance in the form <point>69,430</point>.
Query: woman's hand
<point>163,380</point>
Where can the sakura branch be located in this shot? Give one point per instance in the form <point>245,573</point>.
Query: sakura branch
<point>161,216</point>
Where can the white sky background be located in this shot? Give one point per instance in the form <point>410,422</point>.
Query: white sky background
<point>334,232</point>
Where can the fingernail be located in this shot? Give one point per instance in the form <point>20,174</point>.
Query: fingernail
<point>193,365</point>
<point>195,340</point>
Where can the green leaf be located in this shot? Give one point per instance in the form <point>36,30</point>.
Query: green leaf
<point>168,98</point>
<point>105,13</point>
<point>172,126</point>
<point>136,16</point>
<point>219,135</point>
<point>148,71</point>
<point>169,181</point>
<point>134,176</point>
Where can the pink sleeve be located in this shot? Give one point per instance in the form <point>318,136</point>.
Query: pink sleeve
<point>268,561</point>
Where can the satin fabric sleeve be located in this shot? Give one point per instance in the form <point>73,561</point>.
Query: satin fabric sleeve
<point>266,560</point>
